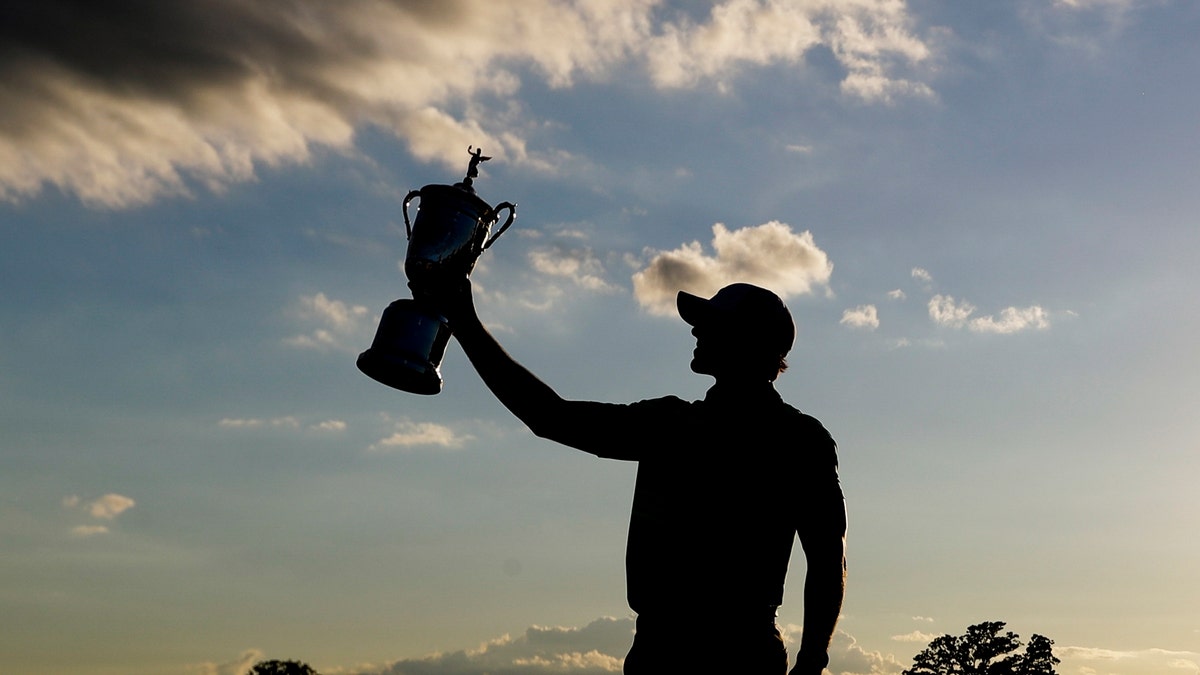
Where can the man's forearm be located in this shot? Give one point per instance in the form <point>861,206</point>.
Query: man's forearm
<point>518,389</point>
<point>824,591</point>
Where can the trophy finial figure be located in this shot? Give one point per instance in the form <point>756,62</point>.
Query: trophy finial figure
<point>473,168</point>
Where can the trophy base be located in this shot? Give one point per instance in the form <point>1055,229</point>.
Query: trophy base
<point>401,372</point>
<point>407,350</point>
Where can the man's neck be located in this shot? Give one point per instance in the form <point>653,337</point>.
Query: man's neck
<point>726,387</point>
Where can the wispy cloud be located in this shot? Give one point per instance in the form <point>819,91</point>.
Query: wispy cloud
<point>239,85</point>
<point>863,316</point>
<point>285,422</point>
<point>578,265</point>
<point>770,255</point>
<point>915,636</point>
<point>408,434</point>
<point>110,506</point>
<point>596,649</point>
<point>338,325</point>
<point>946,311</point>
<point>88,530</point>
<point>107,508</point>
<point>258,423</point>
<point>238,666</point>
<point>868,38</point>
<point>1154,660</point>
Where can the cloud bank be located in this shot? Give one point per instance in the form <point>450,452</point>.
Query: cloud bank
<point>599,649</point>
<point>123,107</point>
<point>596,649</point>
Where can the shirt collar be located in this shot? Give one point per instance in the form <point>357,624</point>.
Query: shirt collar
<point>742,394</point>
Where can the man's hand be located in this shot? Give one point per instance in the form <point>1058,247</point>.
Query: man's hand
<point>449,295</point>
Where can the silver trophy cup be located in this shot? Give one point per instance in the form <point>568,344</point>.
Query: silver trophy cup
<point>450,231</point>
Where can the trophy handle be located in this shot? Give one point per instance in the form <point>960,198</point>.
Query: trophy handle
<point>407,199</point>
<point>495,214</point>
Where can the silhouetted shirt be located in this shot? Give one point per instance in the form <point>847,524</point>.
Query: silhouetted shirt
<point>724,486</point>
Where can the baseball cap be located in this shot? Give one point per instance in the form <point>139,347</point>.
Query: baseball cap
<point>753,307</point>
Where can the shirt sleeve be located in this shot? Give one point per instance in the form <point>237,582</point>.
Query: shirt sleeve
<point>822,512</point>
<point>625,431</point>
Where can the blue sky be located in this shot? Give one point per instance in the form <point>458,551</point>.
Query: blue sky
<point>980,214</point>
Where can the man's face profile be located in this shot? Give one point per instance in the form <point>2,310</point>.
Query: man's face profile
<point>720,350</point>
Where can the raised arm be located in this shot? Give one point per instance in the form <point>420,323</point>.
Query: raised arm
<point>533,402</point>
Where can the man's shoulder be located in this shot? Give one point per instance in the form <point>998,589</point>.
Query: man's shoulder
<point>661,405</point>
<point>800,419</point>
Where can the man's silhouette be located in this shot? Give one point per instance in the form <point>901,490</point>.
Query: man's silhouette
<point>724,486</point>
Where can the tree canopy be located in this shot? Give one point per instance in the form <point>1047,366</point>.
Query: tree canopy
<point>277,667</point>
<point>984,650</point>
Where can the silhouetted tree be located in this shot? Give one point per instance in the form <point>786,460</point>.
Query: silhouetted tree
<point>276,667</point>
<point>984,650</point>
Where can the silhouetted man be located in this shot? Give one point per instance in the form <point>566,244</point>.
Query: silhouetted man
<point>724,486</point>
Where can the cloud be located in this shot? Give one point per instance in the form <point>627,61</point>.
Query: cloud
<point>578,265</point>
<point>945,311</point>
<point>596,649</point>
<point>110,506</point>
<point>162,98</point>
<point>915,636</point>
<point>863,316</point>
<point>1012,320</point>
<point>284,422</point>
<point>238,666</point>
<point>848,657</point>
<point>1154,660</point>
<point>107,507</point>
<point>415,434</point>
<point>770,255</point>
<point>287,422</point>
<point>896,294</point>
<point>921,274</point>
<point>868,38</point>
<point>340,326</point>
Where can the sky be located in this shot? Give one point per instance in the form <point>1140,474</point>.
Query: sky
<point>981,214</point>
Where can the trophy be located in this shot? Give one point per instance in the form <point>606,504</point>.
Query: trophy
<point>451,230</point>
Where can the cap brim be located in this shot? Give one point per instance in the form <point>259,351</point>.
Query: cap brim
<point>692,308</point>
